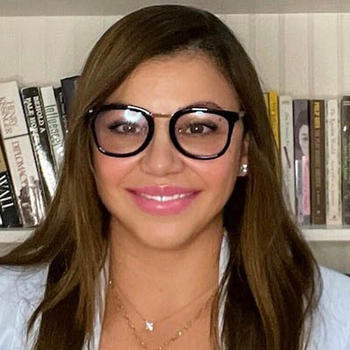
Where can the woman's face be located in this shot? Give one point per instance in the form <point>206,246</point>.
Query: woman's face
<point>196,190</point>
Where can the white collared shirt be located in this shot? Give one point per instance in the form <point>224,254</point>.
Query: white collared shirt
<point>22,290</point>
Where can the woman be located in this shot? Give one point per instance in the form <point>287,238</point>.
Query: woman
<point>160,234</point>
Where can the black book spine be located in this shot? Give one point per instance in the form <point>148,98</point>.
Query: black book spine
<point>69,87</point>
<point>8,203</point>
<point>61,109</point>
<point>36,124</point>
<point>345,140</point>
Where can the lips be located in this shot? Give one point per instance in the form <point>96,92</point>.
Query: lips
<point>163,200</point>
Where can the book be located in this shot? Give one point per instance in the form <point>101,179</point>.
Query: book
<point>69,87</point>
<point>37,129</point>
<point>345,141</point>
<point>287,150</point>
<point>8,205</point>
<point>317,162</point>
<point>333,164</point>
<point>54,126</point>
<point>20,157</point>
<point>274,117</point>
<point>61,109</point>
<point>302,160</point>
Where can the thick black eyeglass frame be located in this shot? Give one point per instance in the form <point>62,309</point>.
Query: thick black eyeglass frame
<point>231,117</point>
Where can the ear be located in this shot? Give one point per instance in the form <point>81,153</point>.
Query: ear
<point>243,162</point>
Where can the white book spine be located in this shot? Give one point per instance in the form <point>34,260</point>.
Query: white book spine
<point>53,123</point>
<point>333,164</point>
<point>287,150</point>
<point>20,155</point>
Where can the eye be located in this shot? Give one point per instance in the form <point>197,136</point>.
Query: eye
<point>126,128</point>
<point>198,128</point>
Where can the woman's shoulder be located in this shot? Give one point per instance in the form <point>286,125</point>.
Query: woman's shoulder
<point>332,318</point>
<point>21,290</point>
<point>22,282</point>
<point>336,291</point>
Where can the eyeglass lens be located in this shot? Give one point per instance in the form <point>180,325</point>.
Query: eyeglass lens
<point>124,131</point>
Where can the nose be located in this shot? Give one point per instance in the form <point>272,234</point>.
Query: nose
<point>161,158</point>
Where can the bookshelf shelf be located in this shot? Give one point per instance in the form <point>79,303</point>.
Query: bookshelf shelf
<point>324,233</point>
<point>14,235</point>
<point>311,233</point>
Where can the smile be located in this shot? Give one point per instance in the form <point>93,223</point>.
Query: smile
<point>163,201</point>
<point>165,198</point>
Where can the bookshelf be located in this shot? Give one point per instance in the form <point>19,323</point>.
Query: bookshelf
<point>299,48</point>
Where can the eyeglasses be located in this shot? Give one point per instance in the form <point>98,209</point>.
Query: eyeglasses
<point>199,133</point>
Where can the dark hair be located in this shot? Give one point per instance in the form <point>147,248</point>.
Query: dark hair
<point>271,275</point>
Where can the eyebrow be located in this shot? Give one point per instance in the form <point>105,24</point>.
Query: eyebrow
<point>204,104</point>
<point>200,104</point>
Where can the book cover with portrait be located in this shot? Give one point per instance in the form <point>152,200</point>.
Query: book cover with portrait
<point>302,160</point>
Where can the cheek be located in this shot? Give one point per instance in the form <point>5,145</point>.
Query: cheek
<point>219,174</point>
<point>109,171</point>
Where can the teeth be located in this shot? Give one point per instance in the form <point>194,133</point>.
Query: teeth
<point>165,198</point>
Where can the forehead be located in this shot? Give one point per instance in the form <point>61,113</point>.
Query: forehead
<point>164,84</point>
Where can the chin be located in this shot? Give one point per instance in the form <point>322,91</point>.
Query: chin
<point>165,238</point>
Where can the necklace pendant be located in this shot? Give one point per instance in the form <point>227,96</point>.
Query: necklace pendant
<point>149,326</point>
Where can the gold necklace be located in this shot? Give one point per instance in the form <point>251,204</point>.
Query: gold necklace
<point>150,325</point>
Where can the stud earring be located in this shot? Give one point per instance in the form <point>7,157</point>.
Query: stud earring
<point>244,169</point>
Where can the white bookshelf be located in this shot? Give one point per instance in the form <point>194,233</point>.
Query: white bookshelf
<point>300,48</point>
<point>312,234</point>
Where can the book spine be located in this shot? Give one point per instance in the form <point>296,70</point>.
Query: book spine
<point>20,156</point>
<point>345,139</point>
<point>69,88</point>
<point>274,117</point>
<point>61,109</point>
<point>333,163</point>
<point>37,128</point>
<point>287,150</point>
<point>301,160</point>
<point>317,164</point>
<point>8,205</point>
<point>54,128</point>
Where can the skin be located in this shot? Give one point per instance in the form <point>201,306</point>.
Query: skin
<point>170,260</point>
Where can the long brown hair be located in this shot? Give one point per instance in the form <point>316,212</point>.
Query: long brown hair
<point>271,277</point>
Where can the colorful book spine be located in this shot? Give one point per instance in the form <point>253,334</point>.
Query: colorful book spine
<point>317,162</point>
<point>20,157</point>
<point>8,205</point>
<point>287,150</point>
<point>274,116</point>
<point>54,126</point>
<point>302,160</point>
<point>333,164</point>
<point>345,140</point>
<point>37,129</point>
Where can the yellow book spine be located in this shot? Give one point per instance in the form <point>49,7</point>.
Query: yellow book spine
<point>274,116</point>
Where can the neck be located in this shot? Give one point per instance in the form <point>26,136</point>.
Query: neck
<point>166,279</point>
